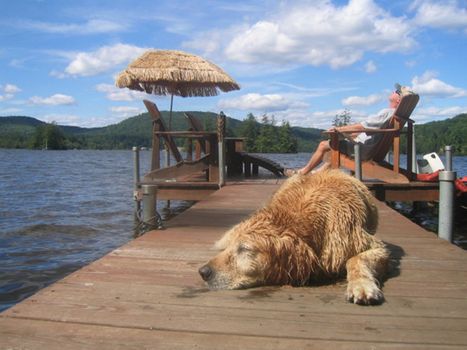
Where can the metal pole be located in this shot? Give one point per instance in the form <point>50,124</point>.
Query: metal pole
<point>358,161</point>
<point>448,160</point>
<point>136,175</point>
<point>446,198</point>
<point>167,149</point>
<point>221,147</point>
<point>150,220</point>
<point>414,152</point>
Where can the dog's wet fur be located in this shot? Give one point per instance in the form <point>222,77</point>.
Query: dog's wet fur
<point>315,227</point>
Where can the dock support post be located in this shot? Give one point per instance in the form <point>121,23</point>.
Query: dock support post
<point>151,219</point>
<point>166,165</point>
<point>446,198</point>
<point>358,161</point>
<point>136,176</point>
<point>221,119</point>
<point>414,152</point>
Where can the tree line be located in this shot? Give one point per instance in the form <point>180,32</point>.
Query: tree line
<point>266,137</point>
<point>262,134</point>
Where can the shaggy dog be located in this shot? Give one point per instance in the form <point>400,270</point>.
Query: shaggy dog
<point>314,228</point>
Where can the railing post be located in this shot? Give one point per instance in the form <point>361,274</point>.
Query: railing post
<point>446,198</point>
<point>150,219</point>
<point>414,152</point>
<point>136,175</point>
<point>448,158</point>
<point>358,161</point>
<point>221,119</point>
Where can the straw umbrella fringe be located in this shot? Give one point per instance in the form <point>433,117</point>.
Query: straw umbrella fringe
<point>169,72</point>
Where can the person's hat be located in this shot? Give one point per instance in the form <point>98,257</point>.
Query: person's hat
<point>402,90</point>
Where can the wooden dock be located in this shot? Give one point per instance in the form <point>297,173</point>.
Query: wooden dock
<point>148,295</point>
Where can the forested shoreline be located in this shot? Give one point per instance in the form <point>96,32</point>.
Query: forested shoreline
<point>262,134</point>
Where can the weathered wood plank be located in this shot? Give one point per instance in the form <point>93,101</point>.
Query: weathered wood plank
<point>248,321</point>
<point>325,299</point>
<point>32,334</point>
<point>147,294</point>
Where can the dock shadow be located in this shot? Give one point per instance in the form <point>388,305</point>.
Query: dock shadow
<point>192,292</point>
<point>395,257</point>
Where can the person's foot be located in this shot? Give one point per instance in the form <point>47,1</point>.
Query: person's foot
<point>291,172</point>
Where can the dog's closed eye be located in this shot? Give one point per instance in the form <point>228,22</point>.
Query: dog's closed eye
<point>243,248</point>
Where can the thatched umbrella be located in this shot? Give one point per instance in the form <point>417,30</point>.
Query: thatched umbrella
<point>169,72</point>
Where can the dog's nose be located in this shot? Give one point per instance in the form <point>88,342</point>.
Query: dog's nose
<point>205,272</point>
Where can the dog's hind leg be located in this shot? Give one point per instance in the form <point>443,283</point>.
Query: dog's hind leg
<point>364,272</point>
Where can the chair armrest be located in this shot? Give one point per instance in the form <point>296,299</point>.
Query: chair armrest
<point>367,131</point>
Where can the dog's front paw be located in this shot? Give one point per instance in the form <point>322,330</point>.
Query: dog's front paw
<point>364,292</point>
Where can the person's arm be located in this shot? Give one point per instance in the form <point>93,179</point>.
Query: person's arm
<point>352,127</point>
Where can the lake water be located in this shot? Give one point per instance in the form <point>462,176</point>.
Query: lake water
<point>60,210</point>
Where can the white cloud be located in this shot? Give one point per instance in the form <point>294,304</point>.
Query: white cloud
<point>10,111</point>
<point>126,111</point>
<point>93,26</point>
<point>11,89</point>
<point>370,67</point>
<point>114,93</point>
<point>6,97</point>
<point>428,114</point>
<point>54,100</point>
<point>62,119</point>
<point>96,122</point>
<point>319,33</point>
<point>428,85</point>
<point>8,92</point>
<point>258,102</point>
<point>362,100</point>
<point>101,60</point>
<point>318,119</point>
<point>441,14</point>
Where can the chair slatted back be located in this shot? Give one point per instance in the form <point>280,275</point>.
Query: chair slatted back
<point>400,117</point>
<point>157,119</point>
<point>196,125</point>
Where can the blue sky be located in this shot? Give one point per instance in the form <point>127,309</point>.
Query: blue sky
<point>301,61</point>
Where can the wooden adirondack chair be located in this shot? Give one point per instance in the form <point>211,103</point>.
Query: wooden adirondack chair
<point>183,168</point>
<point>196,125</point>
<point>376,167</point>
<point>159,125</point>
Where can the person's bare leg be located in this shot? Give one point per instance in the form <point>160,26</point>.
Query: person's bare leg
<point>316,158</point>
<point>324,166</point>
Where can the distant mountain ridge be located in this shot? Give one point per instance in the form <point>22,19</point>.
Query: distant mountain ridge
<point>15,131</point>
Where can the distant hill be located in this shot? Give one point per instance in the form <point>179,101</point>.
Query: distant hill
<point>433,136</point>
<point>17,131</point>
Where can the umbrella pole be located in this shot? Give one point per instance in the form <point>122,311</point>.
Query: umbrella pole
<point>170,129</point>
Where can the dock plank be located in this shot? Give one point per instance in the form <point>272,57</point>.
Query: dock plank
<point>147,294</point>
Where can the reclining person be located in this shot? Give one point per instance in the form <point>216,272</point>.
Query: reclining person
<point>377,121</point>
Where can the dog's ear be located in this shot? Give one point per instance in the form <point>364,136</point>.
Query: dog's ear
<point>292,260</point>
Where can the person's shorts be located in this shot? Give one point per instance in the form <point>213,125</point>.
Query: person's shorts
<point>347,148</point>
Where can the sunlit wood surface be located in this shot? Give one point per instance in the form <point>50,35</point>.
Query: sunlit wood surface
<point>148,295</point>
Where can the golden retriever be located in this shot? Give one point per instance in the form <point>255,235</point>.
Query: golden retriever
<point>314,228</point>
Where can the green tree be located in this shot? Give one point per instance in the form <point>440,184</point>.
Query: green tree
<point>48,136</point>
<point>249,129</point>
<point>266,141</point>
<point>342,118</point>
<point>287,143</point>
